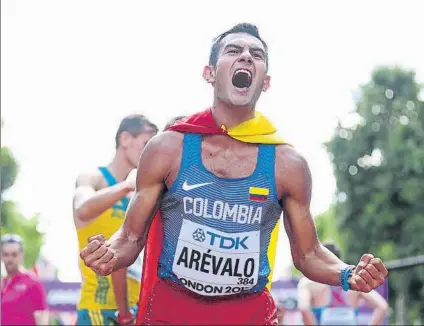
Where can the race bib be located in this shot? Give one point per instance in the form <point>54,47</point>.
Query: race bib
<point>134,271</point>
<point>338,316</point>
<point>215,263</point>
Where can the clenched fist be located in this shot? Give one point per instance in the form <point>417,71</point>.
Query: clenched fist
<point>369,274</point>
<point>99,256</point>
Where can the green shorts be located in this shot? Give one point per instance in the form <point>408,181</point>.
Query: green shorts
<point>93,317</point>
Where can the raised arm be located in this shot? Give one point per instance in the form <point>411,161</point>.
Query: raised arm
<point>89,202</point>
<point>315,261</point>
<point>126,244</point>
<point>309,256</point>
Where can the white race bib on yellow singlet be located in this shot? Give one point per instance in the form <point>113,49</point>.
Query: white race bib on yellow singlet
<point>214,263</point>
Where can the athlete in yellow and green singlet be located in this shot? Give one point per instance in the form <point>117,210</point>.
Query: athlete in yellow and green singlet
<point>100,201</point>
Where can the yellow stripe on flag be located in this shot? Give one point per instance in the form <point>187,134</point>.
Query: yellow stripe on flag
<point>259,191</point>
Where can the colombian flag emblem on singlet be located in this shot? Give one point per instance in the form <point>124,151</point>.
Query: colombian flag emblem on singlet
<point>258,194</point>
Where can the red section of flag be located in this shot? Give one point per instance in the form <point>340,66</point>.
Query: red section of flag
<point>199,123</point>
<point>149,277</point>
<point>258,198</point>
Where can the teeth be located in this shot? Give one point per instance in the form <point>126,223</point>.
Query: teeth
<point>245,71</point>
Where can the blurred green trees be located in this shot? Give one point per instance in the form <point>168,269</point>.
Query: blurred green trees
<point>11,219</point>
<point>378,160</point>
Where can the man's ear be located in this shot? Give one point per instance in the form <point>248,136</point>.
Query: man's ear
<point>209,74</point>
<point>267,83</point>
<point>124,139</point>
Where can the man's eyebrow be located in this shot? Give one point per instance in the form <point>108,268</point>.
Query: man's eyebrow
<point>238,47</point>
<point>258,50</point>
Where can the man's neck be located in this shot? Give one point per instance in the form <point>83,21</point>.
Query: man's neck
<point>120,167</point>
<point>12,274</point>
<point>229,116</point>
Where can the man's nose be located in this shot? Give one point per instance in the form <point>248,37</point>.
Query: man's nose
<point>246,57</point>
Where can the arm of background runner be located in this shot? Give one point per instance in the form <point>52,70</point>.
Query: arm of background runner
<point>304,302</point>
<point>89,203</point>
<point>120,289</point>
<point>153,169</point>
<point>311,258</point>
<point>381,308</point>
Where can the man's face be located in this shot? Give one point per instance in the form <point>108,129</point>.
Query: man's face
<point>12,256</point>
<point>240,73</point>
<point>134,146</point>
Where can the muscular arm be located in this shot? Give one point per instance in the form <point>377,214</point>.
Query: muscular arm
<point>89,203</point>
<point>309,256</point>
<point>153,169</point>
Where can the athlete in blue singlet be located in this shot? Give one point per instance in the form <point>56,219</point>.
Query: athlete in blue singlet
<point>321,304</point>
<point>216,230</point>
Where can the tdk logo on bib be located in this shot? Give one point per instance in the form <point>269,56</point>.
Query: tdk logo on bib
<point>220,241</point>
<point>226,242</point>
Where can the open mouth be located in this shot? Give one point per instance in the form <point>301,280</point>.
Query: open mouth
<point>242,78</point>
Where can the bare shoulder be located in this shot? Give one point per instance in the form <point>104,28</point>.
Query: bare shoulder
<point>288,158</point>
<point>165,145</point>
<point>291,171</point>
<point>160,155</point>
<point>90,177</point>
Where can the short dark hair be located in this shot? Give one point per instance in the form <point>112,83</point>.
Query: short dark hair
<point>333,248</point>
<point>173,120</point>
<point>134,124</point>
<point>12,238</point>
<point>239,28</point>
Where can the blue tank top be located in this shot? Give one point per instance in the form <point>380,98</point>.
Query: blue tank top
<point>217,230</point>
<point>337,311</point>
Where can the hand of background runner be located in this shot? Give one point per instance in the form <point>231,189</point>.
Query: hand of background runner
<point>368,274</point>
<point>98,255</point>
<point>126,320</point>
<point>131,178</point>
